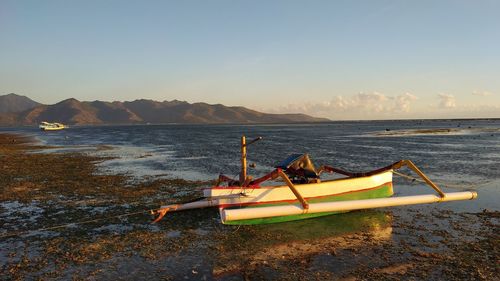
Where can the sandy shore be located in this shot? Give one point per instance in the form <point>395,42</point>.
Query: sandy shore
<point>40,191</point>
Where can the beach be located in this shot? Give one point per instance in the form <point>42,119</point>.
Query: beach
<point>63,219</point>
<point>249,140</point>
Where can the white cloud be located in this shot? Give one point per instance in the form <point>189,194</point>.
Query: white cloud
<point>403,102</point>
<point>360,106</point>
<point>447,101</point>
<point>482,93</point>
<point>375,105</point>
<point>371,101</point>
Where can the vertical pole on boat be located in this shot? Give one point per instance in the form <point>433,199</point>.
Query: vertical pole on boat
<point>243,174</point>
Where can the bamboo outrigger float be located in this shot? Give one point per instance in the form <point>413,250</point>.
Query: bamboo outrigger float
<point>304,195</point>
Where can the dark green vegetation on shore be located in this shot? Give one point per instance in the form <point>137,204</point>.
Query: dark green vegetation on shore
<point>40,190</point>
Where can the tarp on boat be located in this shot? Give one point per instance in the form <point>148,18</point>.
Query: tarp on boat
<point>298,165</point>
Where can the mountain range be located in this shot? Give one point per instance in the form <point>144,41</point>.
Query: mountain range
<point>21,110</point>
<point>16,103</point>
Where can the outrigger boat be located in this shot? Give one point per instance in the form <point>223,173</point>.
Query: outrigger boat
<point>46,126</point>
<point>303,194</point>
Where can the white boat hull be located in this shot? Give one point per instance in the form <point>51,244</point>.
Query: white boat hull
<point>229,196</point>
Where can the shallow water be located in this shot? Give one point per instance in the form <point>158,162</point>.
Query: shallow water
<point>456,154</point>
<point>468,155</point>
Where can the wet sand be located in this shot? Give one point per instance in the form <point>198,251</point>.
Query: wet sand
<point>42,190</point>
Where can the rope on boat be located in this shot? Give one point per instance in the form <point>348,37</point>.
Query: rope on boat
<point>449,185</point>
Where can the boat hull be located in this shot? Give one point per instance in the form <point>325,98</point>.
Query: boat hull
<point>385,190</point>
<point>51,129</point>
<point>375,186</point>
<point>243,196</point>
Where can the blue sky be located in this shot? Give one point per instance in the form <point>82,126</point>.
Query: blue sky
<point>336,59</point>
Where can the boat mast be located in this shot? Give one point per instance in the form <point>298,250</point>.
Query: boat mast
<point>243,174</point>
<point>244,144</point>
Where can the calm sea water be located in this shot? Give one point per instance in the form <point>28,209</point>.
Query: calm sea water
<point>465,156</point>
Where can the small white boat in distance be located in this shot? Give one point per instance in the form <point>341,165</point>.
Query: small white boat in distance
<point>46,126</point>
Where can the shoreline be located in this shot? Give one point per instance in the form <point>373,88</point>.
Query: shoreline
<point>419,120</point>
<point>41,190</point>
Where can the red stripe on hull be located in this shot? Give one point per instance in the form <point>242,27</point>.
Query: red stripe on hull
<point>295,200</point>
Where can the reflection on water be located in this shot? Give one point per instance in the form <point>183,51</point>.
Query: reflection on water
<point>295,239</point>
<point>328,226</point>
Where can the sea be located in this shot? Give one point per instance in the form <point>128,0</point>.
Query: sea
<point>456,154</point>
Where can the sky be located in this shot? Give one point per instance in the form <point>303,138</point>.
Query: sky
<point>343,60</point>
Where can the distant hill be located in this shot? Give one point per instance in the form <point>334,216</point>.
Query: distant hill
<point>72,111</point>
<point>16,103</point>
<point>184,112</point>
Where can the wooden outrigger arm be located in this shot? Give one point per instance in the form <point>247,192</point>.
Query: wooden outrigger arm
<point>394,166</point>
<point>413,167</point>
<point>297,194</point>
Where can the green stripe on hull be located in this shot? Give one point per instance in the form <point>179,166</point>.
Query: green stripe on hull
<point>379,192</point>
